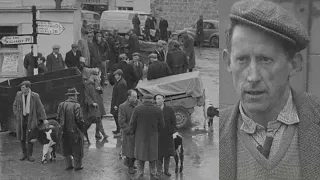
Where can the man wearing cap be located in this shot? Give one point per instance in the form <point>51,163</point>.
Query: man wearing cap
<point>73,57</point>
<point>273,131</point>
<point>157,69</point>
<point>159,51</point>
<point>173,36</point>
<point>137,66</point>
<point>188,48</point>
<point>28,110</point>
<point>146,120</point>
<point>119,92</point>
<point>30,62</point>
<point>94,104</point>
<point>177,59</point>
<point>133,43</point>
<point>69,115</point>
<point>199,31</point>
<point>54,60</point>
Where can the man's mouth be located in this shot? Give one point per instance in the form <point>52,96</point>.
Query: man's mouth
<point>255,93</point>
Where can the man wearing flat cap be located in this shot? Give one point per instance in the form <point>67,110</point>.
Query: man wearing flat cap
<point>73,57</point>
<point>177,59</point>
<point>119,95</point>
<point>54,60</point>
<point>69,115</point>
<point>137,66</point>
<point>146,121</point>
<point>157,69</point>
<point>273,131</point>
<point>28,111</point>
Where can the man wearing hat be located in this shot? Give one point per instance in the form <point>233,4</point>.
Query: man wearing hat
<point>173,36</point>
<point>69,115</point>
<point>157,69</point>
<point>30,63</point>
<point>273,131</point>
<point>137,66</point>
<point>199,31</point>
<point>119,92</point>
<point>28,110</point>
<point>177,59</point>
<point>159,51</point>
<point>83,46</point>
<point>146,121</point>
<point>73,57</point>
<point>54,60</point>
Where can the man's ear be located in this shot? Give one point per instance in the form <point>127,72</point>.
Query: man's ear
<point>296,63</point>
<point>226,59</point>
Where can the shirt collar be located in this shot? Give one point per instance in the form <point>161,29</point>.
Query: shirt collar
<point>288,115</point>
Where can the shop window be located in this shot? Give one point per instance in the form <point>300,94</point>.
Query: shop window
<point>126,8</point>
<point>8,31</point>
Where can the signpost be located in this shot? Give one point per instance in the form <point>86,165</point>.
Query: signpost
<point>18,39</point>
<point>49,27</point>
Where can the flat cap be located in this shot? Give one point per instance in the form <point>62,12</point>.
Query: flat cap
<point>27,83</point>
<point>56,47</point>
<point>152,55</point>
<point>136,54</point>
<point>74,45</point>
<point>118,71</point>
<point>271,18</point>
<point>175,43</point>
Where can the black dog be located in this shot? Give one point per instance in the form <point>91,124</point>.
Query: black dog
<point>211,113</point>
<point>179,155</point>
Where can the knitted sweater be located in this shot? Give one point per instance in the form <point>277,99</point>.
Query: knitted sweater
<point>252,165</point>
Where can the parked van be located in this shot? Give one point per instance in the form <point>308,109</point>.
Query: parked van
<point>92,18</point>
<point>120,19</point>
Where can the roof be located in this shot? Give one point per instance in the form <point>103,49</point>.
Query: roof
<point>126,11</point>
<point>211,21</point>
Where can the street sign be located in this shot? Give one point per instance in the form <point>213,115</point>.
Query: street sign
<point>49,27</point>
<point>18,39</point>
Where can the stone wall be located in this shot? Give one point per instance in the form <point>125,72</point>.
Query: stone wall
<point>184,13</point>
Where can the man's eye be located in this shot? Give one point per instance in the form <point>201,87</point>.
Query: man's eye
<point>242,59</point>
<point>265,59</point>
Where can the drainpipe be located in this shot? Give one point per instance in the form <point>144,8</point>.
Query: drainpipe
<point>58,4</point>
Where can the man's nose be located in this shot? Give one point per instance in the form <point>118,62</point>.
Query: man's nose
<point>253,72</point>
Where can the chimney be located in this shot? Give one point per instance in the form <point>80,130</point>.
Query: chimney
<point>58,4</point>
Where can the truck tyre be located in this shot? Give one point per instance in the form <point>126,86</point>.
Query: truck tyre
<point>182,116</point>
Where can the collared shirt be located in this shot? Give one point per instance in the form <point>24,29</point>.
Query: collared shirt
<point>288,116</point>
<point>55,55</point>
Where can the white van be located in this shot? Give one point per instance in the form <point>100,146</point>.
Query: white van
<point>120,19</point>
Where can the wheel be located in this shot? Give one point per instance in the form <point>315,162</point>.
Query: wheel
<point>182,117</point>
<point>214,41</point>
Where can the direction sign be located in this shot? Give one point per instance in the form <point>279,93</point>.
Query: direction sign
<point>49,27</point>
<point>22,39</point>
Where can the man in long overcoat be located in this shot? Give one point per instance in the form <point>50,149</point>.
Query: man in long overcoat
<point>28,110</point>
<point>128,72</point>
<point>163,26</point>
<point>30,62</point>
<point>146,120</point>
<point>94,104</point>
<point>188,46</point>
<point>69,115</point>
<point>177,59</point>
<point>133,44</point>
<point>136,25</point>
<point>166,143</point>
<point>125,112</point>
<point>54,60</point>
<point>73,57</point>
<point>147,26</point>
<point>84,47</point>
<point>199,31</point>
<point>119,95</point>
<point>157,69</point>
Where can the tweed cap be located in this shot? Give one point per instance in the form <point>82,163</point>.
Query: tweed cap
<point>118,71</point>
<point>74,45</point>
<point>271,18</point>
<point>26,83</point>
<point>55,47</point>
<point>136,54</point>
<point>153,55</point>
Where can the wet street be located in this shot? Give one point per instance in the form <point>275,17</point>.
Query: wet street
<point>101,158</point>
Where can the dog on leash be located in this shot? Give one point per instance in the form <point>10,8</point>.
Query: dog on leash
<point>209,112</point>
<point>179,152</point>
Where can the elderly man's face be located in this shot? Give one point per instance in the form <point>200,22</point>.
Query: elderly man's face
<point>56,50</point>
<point>260,68</point>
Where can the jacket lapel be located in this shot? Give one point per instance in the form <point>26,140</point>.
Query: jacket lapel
<point>309,135</point>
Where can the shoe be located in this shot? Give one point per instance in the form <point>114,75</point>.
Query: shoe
<point>167,174</point>
<point>78,168</point>
<point>69,168</point>
<point>24,157</point>
<point>31,159</point>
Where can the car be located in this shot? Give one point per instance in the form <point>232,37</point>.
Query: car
<point>211,32</point>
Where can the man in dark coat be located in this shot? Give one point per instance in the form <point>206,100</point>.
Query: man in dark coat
<point>136,25</point>
<point>188,47</point>
<point>165,143</point>
<point>157,69</point>
<point>177,60</point>
<point>146,120</point>
<point>41,67</point>
<point>125,112</point>
<point>163,26</point>
<point>137,66</point>
<point>54,60</point>
<point>147,26</point>
<point>133,44</point>
<point>30,62</point>
<point>69,115</point>
<point>119,95</point>
<point>159,51</point>
<point>73,57</point>
<point>128,72</point>
<point>28,110</point>
<point>94,104</point>
<point>199,31</point>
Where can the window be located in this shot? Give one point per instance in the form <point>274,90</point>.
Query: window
<point>8,31</point>
<point>208,25</point>
<point>126,8</point>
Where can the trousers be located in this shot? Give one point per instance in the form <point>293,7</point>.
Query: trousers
<point>26,151</point>
<point>152,167</point>
<point>163,163</point>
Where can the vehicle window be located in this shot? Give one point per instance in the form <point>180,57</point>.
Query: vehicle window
<point>208,25</point>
